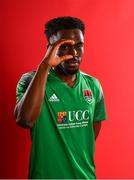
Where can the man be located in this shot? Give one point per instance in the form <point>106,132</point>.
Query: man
<point>62,106</point>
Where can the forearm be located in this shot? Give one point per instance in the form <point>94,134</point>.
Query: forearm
<point>97,128</point>
<point>29,107</point>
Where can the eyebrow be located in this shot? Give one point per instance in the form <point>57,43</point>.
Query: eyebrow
<point>79,43</point>
<point>67,43</point>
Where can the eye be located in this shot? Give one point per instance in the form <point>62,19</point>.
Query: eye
<point>79,46</point>
<point>65,47</point>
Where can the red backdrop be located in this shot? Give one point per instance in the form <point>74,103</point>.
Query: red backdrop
<point>109,54</point>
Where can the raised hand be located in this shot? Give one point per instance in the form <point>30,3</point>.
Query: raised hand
<point>51,58</point>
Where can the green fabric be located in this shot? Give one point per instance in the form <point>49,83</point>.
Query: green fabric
<point>63,136</point>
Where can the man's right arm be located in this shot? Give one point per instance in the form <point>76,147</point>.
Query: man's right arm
<point>29,107</point>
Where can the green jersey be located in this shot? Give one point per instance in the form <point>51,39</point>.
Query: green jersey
<point>63,135</point>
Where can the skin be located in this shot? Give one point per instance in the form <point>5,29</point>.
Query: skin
<point>64,53</point>
<point>67,70</point>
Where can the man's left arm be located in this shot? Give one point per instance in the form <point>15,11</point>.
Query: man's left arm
<point>100,111</point>
<point>97,127</point>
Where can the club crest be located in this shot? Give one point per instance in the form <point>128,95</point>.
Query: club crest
<point>88,95</point>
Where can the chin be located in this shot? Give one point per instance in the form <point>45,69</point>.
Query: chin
<point>71,72</point>
<point>67,71</point>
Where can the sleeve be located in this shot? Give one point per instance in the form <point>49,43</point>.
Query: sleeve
<point>100,108</point>
<point>22,86</point>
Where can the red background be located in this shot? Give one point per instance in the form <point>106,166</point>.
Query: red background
<point>109,56</point>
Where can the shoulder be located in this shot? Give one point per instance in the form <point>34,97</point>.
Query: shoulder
<point>94,83</point>
<point>27,76</point>
<point>26,79</point>
<point>90,79</point>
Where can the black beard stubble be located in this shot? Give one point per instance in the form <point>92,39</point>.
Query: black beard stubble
<point>66,72</point>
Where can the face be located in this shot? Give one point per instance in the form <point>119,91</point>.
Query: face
<point>71,66</point>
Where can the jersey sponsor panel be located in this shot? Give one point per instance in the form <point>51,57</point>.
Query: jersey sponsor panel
<point>73,119</point>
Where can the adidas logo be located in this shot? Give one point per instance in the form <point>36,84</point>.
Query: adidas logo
<point>53,98</point>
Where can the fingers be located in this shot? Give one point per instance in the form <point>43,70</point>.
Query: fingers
<point>63,41</point>
<point>66,57</point>
<point>51,53</point>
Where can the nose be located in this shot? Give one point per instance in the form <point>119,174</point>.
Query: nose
<point>73,52</point>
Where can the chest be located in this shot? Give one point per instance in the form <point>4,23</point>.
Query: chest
<point>70,104</point>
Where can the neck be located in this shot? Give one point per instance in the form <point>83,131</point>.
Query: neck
<point>68,79</point>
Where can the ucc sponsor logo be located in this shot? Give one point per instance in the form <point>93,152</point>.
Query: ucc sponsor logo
<point>73,116</point>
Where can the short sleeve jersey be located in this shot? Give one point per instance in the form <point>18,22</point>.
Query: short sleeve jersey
<point>63,136</point>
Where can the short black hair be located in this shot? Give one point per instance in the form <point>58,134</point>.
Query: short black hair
<point>63,22</point>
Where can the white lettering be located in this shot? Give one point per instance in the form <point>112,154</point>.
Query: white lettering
<point>78,115</point>
<point>85,115</point>
<point>71,115</point>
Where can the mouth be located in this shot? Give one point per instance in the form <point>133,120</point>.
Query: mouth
<point>72,62</point>
<point>70,66</point>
